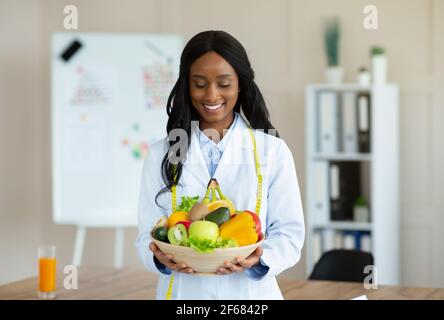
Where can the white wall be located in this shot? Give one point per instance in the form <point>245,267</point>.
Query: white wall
<point>20,101</point>
<point>283,39</point>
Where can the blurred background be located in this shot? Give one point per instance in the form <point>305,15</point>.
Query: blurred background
<point>284,40</point>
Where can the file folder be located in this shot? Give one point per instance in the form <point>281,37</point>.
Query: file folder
<point>345,187</point>
<point>366,242</point>
<point>328,122</point>
<point>349,123</point>
<point>364,122</point>
<point>322,203</point>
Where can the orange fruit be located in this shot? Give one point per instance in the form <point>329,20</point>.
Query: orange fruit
<point>177,216</point>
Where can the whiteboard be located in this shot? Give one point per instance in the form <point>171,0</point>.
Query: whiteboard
<point>109,98</point>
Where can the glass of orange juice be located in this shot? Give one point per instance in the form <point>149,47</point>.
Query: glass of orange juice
<point>47,272</point>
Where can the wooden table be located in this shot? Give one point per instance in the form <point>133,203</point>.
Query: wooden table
<point>127,284</point>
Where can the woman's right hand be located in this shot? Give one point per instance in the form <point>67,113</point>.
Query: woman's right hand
<point>167,260</point>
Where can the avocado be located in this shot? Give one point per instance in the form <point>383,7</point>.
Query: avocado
<point>177,235</point>
<point>219,216</point>
<point>161,234</point>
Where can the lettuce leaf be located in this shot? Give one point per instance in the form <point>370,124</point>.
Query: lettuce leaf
<point>187,203</point>
<point>207,246</point>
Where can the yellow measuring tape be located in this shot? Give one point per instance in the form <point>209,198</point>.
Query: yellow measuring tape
<point>258,201</point>
<point>258,174</point>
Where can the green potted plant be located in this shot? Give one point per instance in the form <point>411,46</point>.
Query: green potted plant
<point>361,212</point>
<point>363,76</point>
<point>332,36</point>
<point>379,64</point>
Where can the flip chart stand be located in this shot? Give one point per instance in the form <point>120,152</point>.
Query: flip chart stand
<point>79,246</point>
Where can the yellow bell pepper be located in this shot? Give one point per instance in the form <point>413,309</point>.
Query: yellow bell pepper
<point>240,228</point>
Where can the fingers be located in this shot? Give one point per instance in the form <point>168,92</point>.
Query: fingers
<point>153,247</point>
<point>234,267</point>
<point>186,270</point>
<point>167,260</point>
<point>162,257</point>
<point>179,267</point>
<point>252,260</point>
<point>158,253</point>
<point>222,270</point>
<point>229,267</point>
<point>242,264</point>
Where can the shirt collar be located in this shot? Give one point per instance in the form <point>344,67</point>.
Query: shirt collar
<point>204,140</point>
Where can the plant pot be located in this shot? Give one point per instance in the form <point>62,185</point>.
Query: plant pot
<point>364,78</point>
<point>379,65</point>
<point>361,214</point>
<point>334,74</point>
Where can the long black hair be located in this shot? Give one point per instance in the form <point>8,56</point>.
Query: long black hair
<point>181,111</point>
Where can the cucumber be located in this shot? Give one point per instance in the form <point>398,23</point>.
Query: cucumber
<point>219,216</point>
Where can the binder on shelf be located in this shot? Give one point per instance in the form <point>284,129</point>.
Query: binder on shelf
<point>364,122</point>
<point>335,200</point>
<point>357,240</point>
<point>348,241</point>
<point>321,203</point>
<point>337,240</point>
<point>317,246</point>
<point>349,124</point>
<point>331,239</point>
<point>328,128</point>
<point>345,187</point>
<point>366,242</point>
<point>328,240</point>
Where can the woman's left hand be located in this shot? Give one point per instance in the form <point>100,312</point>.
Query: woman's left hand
<point>242,264</point>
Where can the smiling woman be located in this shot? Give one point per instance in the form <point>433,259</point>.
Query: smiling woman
<point>216,88</point>
<point>214,70</point>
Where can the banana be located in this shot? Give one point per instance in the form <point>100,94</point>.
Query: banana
<point>218,199</point>
<point>223,197</point>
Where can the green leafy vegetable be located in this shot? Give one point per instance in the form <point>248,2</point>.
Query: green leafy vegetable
<point>187,203</point>
<point>207,246</point>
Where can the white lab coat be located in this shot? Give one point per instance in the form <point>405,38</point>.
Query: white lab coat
<point>281,212</point>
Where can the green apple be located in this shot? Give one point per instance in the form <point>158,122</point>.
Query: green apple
<point>204,230</point>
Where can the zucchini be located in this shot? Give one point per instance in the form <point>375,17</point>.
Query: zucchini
<point>219,216</point>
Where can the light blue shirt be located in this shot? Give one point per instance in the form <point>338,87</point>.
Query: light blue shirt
<point>212,153</point>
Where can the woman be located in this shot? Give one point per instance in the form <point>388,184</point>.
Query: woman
<point>208,137</point>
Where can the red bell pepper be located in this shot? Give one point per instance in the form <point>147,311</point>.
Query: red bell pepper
<point>257,222</point>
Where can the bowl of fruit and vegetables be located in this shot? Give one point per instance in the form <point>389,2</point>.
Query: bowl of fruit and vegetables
<point>205,234</point>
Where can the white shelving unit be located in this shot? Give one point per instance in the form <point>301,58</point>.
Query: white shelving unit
<point>382,183</point>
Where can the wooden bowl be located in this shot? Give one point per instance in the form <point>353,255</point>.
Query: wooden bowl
<point>206,263</point>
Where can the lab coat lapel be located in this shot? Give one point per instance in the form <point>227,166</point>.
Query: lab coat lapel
<point>195,162</point>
